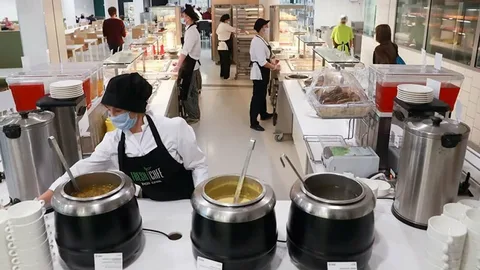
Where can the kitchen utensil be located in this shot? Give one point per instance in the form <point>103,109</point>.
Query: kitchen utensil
<point>244,171</point>
<point>30,164</point>
<point>85,226</point>
<point>240,236</point>
<point>384,188</point>
<point>291,166</point>
<point>431,156</point>
<point>54,144</point>
<point>338,211</point>
<point>447,230</point>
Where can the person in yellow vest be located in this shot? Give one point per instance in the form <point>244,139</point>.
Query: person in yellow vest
<point>342,36</point>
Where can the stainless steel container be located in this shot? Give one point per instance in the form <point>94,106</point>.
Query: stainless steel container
<point>330,220</point>
<point>107,223</point>
<point>430,168</point>
<point>68,113</point>
<point>30,164</point>
<point>240,236</point>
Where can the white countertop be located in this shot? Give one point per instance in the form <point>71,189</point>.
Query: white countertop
<point>396,247</point>
<point>160,100</point>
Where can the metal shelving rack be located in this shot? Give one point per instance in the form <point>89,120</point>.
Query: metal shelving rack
<point>244,17</point>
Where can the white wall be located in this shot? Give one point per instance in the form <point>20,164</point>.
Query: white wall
<point>327,12</point>
<point>84,7</point>
<point>68,9</point>
<point>8,9</point>
<point>108,4</point>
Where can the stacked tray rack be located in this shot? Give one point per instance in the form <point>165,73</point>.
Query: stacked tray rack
<point>244,17</point>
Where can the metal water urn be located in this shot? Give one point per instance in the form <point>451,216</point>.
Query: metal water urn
<point>430,168</point>
<point>30,164</point>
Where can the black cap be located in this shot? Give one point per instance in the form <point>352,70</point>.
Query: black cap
<point>259,24</point>
<point>128,92</point>
<point>190,12</point>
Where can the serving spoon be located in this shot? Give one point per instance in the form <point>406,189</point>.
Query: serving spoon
<point>56,147</point>
<point>251,146</point>
<point>284,156</point>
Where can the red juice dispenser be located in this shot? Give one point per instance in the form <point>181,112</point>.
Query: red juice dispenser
<point>384,79</point>
<point>26,91</point>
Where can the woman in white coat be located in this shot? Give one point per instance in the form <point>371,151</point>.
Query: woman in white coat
<point>160,154</point>
<point>224,33</point>
<point>261,63</point>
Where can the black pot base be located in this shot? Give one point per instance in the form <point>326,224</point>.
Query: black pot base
<point>305,260</point>
<point>257,263</point>
<point>84,260</point>
<point>406,221</point>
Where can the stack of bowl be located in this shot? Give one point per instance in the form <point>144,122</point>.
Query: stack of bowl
<point>4,257</point>
<point>471,260</point>
<point>27,237</point>
<point>446,239</point>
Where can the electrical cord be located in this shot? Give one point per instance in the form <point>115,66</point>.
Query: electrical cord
<point>281,241</point>
<point>155,231</point>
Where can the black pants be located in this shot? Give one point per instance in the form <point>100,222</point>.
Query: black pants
<point>224,64</point>
<point>115,48</point>
<point>258,105</point>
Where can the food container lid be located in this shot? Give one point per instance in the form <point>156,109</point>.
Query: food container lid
<point>26,119</point>
<point>416,71</point>
<point>436,127</point>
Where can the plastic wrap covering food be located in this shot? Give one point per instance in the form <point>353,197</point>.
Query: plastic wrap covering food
<point>339,97</point>
<point>329,77</point>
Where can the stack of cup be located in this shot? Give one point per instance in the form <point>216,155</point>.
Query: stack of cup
<point>27,237</point>
<point>471,258</point>
<point>445,243</point>
<point>4,257</point>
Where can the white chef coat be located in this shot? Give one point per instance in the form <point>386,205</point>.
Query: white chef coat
<point>191,45</point>
<point>259,52</point>
<point>177,136</point>
<point>224,31</point>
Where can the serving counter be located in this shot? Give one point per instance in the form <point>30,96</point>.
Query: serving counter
<point>396,247</point>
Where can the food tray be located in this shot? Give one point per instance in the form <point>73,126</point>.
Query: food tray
<point>316,144</point>
<point>332,102</point>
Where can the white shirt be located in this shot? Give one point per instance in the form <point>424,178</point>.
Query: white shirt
<point>191,45</point>
<point>224,31</point>
<point>259,52</point>
<point>177,136</point>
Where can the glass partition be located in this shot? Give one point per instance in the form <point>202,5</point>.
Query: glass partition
<point>452,28</point>
<point>410,23</point>
<point>370,15</point>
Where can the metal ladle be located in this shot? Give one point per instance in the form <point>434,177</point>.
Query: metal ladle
<point>244,171</point>
<point>283,156</point>
<point>56,147</point>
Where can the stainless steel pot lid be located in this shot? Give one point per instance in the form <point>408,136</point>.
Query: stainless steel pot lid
<point>333,189</point>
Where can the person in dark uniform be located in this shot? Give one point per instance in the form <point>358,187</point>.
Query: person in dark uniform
<point>261,63</point>
<point>159,154</point>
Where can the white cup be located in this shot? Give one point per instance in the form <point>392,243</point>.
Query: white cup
<point>25,243</point>
<point>470,203</point>
<point>47,266</point>
<point>27,231</point>
<point>25,212</point>
<point>470,260</point>
<point>33,255</point>
<point>455,210</point>
<point>472,220</point>
<point>447,230</point>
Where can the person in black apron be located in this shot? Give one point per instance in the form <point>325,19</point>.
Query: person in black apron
<point>159,154</point>
<point>260,62</point>
<point>225,45</point>
<point>187,75</point>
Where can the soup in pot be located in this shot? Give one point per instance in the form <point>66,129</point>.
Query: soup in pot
<point>93,190</point>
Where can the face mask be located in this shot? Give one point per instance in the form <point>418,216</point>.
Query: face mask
<point>123,121</point>
<point>182,20</point>
<point>266,32</point>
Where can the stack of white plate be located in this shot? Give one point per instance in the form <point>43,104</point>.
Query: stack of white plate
<point>445,243</point>
<point>471,260</point>
<point>4,256</point>
<point>66,89</point>
<point>414,93</point>
<point>28,239</point>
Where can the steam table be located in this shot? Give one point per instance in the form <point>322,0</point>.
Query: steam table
<point>397,246</point>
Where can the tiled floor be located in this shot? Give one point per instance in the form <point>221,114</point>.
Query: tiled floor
<point>223,132</point>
